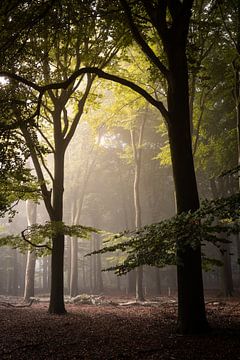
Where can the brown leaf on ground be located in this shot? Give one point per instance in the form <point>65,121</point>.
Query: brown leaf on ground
<point>116,332</point>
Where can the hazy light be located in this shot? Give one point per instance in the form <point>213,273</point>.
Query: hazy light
<point>3,81</point>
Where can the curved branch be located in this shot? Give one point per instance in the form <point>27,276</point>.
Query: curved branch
<point>32,244</point>
<point>45,192</point>
<point>100,73</point>
<point>141,42</point>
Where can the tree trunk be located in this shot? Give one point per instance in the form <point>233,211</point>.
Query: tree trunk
<point>56,305</point>
<point>29,276</point>
<point>74,267</point>
<point>46,271</point>
<point>131,282</point>
<point>15,273</point>
<point>191,306</point>
<point>157,280</point>
<point>67,263</point>
<point>221,189</point>
<point>137,152</point>
<point>226,272</point>
<point>139,284</point>
<point>99,265</point>
<point>31,208</point>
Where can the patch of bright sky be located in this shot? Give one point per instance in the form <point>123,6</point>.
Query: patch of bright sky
<point>111,141</point>
<point>3,81</point>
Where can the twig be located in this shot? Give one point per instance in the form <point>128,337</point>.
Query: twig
<point>17,305</point>
<point>34,245</point>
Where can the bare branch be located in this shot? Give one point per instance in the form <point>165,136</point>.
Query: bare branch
<point>100,73</point>
<point>32,244</point>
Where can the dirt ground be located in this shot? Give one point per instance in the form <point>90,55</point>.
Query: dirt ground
<point>112,331</point>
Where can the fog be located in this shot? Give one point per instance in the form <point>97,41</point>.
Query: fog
<point>99,192</point>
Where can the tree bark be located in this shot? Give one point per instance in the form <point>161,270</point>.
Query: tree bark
<point>56,305</point>
<point>131,282</point>
<point>137,152</point>
<point>99,278</point>
<point>46,272</point>
<point>226,272</point>
<point>74,267</point>
<point>31,208</point>
<point>191,306</point>
<point>221,189</point>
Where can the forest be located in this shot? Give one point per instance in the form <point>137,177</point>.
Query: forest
<point>119,179</point>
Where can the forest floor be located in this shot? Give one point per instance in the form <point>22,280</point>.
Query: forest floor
<point>112,331</point>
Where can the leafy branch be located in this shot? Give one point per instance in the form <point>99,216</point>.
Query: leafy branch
<point>157,244</point>
<point>39,237</point>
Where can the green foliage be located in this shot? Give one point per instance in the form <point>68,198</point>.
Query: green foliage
<point>209,263</point>
<point>16,181</point>
<point>39,237</point>
<point>157,244</point>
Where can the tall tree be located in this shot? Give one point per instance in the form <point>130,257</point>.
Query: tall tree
<point>170,21</point>
<point>137,157</point>
<point>55,61</point>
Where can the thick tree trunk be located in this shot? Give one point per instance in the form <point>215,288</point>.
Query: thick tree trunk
<point>191,307</point>
<point>56,305</point>
<point>191,311</point>
<point>31,208</point>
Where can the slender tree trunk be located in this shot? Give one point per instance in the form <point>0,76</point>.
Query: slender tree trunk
<point>31,208</point>
<point>139,284</point>
<point>157,280</point>
<point>15,273</point>
<point>131,282</point>
<point>68,262</point>
<point>226,272</point>
<point>45,274</point>
<point>137,205</point>
<point>84,284</point>
<point>220,190</point>
<point>91,259</point>
<point>74,267</point>
<point>99,278</point>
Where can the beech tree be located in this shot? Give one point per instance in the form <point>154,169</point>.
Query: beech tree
<point>170,21</point>
<point>55,61</point>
